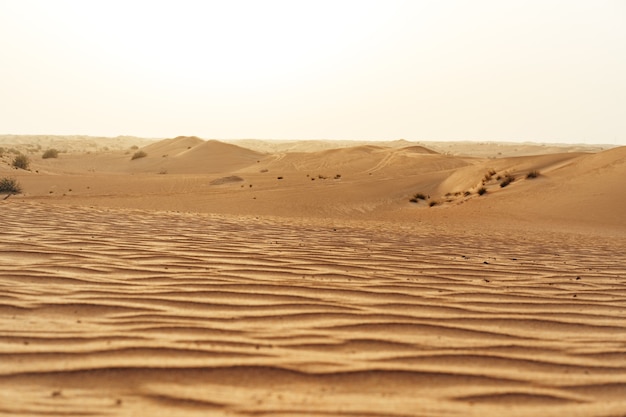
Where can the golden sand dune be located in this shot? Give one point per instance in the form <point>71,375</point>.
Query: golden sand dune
<point>187,155</point>
<point>205,278</point>
<point>186,173</point>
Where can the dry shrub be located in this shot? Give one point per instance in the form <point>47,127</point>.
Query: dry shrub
<point>50,153</point>
<point>508,178</point>
<point>21,162</point>
<point>9,186</point>
<point>138,154</point>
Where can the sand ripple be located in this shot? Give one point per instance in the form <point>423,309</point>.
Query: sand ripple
<point>106,312</point>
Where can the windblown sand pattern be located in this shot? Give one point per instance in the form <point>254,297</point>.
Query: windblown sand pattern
<point>113,312</point>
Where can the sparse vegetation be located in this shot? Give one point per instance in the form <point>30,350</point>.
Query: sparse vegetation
<point>138,154</point>
<point>50,153</point>
<point>481,191</point>
<point>533,174</point>
<point>433,203</point>
<point>9,186</point>
<point>21,162</point>
<point>508,178</point>
<point>489,175</point>
<point>417,197</point>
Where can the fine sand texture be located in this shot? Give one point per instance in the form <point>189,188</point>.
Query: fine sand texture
<point>207,278</point>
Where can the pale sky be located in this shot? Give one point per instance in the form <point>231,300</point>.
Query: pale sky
<point>543,71</point>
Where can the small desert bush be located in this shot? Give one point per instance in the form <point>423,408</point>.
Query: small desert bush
<point>138,154</point>
<point>9,186</point>
<point>508,178</point>
<point>417,197</point>
<point>433,203</point>
<point>533,174</point>
<point>481,191</point>
<point>21,162</point>
<point>489,174</point>
<point>50,153</point>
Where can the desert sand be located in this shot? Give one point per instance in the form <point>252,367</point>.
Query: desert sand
<point>299,279</point>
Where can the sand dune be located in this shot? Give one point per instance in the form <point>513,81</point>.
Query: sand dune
<point>193,156</point>
<point>220,280</point>
<point>367,181</point>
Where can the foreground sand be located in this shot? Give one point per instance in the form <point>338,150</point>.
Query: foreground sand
<point>120,312</point>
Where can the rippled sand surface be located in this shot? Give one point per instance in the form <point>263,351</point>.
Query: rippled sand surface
<point>119,312</point>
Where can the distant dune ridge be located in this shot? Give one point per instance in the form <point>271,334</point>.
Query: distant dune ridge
<point>366,180</point>
<point>294,278</point>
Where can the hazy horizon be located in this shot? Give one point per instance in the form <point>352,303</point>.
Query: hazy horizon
<point>539,71</point>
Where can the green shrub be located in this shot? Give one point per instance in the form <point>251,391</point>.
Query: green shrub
<point>139,154</point>
<point>9,186</point>
<point>50,153</point>
<point>21,162</point>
